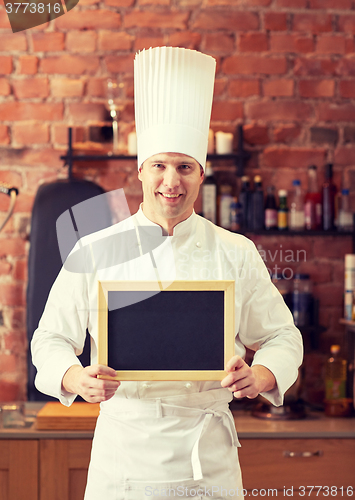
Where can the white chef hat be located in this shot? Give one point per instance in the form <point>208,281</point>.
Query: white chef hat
<point>173,92</point>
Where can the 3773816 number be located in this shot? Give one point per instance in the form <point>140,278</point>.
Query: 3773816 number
<point>326,491</point>
<point>32,8</point>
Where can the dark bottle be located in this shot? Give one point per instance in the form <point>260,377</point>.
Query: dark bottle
<point>245,201</point>
<point>313,201</point>
<point>282,212</point>
<point>329,193</point>
<point>209,195</point>
<point>258,205</point>
<point>235,216</point>
<point>270,209</point>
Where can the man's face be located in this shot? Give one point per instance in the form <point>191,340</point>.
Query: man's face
<point>170,183</point>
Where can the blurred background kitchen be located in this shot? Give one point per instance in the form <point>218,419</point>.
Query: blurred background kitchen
<point>285,90</point>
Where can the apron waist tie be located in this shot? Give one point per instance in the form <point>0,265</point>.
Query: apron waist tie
<point>227,420</point>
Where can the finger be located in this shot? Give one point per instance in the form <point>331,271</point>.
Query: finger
<point>235,363</point>
<point>95,370</point>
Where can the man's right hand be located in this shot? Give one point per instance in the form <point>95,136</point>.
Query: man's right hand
<point>84,381</point>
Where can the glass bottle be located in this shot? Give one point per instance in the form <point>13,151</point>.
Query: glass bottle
<point>345,216</point>
<point>270,209</point>
<point>225,200</point>
<point>245,201</point>
<point>329,193</point>
<point>258,205</point>
<point>302,300</point>
<point>283,210</point>
<point>335,375</point>
<point>209,195</point>
<point>296,220</point>
<point>313,201</point>
<point>235,215</point>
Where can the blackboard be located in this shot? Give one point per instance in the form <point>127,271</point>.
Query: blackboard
<point>182,332</point>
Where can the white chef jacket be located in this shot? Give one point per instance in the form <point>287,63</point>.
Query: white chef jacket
<point>197,250</point>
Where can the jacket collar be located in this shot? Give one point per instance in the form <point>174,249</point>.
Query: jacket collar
<point>185,227</point>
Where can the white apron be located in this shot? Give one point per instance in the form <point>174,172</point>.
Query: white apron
<point>171,447</point>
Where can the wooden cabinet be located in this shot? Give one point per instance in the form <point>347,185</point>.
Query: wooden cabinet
<point>45,469</point>
<point>278,465</point>
<point>18,469</point>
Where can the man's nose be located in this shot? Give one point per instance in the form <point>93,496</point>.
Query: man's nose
<point>171,178</point>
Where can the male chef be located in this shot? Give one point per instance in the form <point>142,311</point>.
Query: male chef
<point>169,439</point>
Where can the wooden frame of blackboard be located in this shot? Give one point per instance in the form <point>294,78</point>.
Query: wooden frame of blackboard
<point>225,286</point>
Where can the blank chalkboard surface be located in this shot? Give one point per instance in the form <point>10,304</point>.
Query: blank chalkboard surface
<point>182,332</point>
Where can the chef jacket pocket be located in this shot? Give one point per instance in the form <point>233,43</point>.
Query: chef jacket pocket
<point>142,490</point>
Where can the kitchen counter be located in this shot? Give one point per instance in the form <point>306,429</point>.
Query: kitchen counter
<point>315,425</point>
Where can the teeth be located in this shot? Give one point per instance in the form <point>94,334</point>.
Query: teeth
<point>166,195</point>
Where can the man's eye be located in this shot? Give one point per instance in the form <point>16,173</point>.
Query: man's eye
<point>158,165</point>
<point>184,167</point>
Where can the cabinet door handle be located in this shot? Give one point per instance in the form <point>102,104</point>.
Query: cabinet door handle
<point>303,454</point>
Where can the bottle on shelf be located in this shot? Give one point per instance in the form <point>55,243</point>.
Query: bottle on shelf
<point>270,209</point>
<point>245,201</point>
<point>329,192</point>
<point>282,210</point>
<point>209,195</point>
<point>257,198</point>
<point>345,216</point>
<point>313,201</point>
<point>302,300</point>
<point>235,215</point>
<point>225,197</point>
<point>296,220</point>
<point>335,383</point>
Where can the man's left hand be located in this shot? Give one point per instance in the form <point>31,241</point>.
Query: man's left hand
<point>246,381</point>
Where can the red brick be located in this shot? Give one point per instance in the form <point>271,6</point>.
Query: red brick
<point>120,64</point>
<point>5,65</point>
<point>286,133</point>
<point>345,155</point>
<point>24,203</point>
<point>243,64</point>
<point>283,110</point>
<point>31,87</point>
<point>11,295</point>
<point>335,44</point>
<point>28,65</point>
<point>5,88</point>
<point>219,86</point>
<point>4,134</point>
<point>276,157</point>
<point>217,42</point>
<point>48,42</point>
<point>227,110</point>
<point>30,133</point>
<point>12,177</point>
<point>4,20</point>
<point>154,19</point>
<point>5,267</point>
<point>256,134</point>
<point>37,157</point>
<point>65,87</point>
<point>18,111</point>
<point>315,66</point>
<point>332,248</point>
<point>81,41</point>
<point>17,317</point>
<point>349,45</point>
<point>329,295</point>
<point>12,246</point>
<point>330,4</point>
<point>13,42</point>
<point>275,21</point>
<point>346,66</point>
<point>332,112</point>
<point>243,88</point>
<point>278,88</point>
<point>153,2</point>
<point>66,64</point>
<point>89,20</point>
<point>213,19</point>
<point>111,40</point>
<point>300,4</point>
<point>256,3</point>
<point>312,23</point>
<point>253,42</point>
<point>185,39</point>
<point>119,3</point>
<point>316,88</point>
<point>144,42</point>
<point>60,136</point>
<point>96,87</point>
<point>346,23</point>
<point>87,111</point>
<point>20,270</point>
<point>281,42</point>
<point>347,89</point>
<point>15,342</point>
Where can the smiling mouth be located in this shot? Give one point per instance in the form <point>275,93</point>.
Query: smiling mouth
<point>170,195</point>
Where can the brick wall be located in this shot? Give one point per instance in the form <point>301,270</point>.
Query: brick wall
<point>285,69</point>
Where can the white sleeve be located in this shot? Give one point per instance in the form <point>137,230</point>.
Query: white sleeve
<point>60,335</point>
<point>267,326</point>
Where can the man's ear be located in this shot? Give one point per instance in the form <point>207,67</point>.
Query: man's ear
<point>139,173</point>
